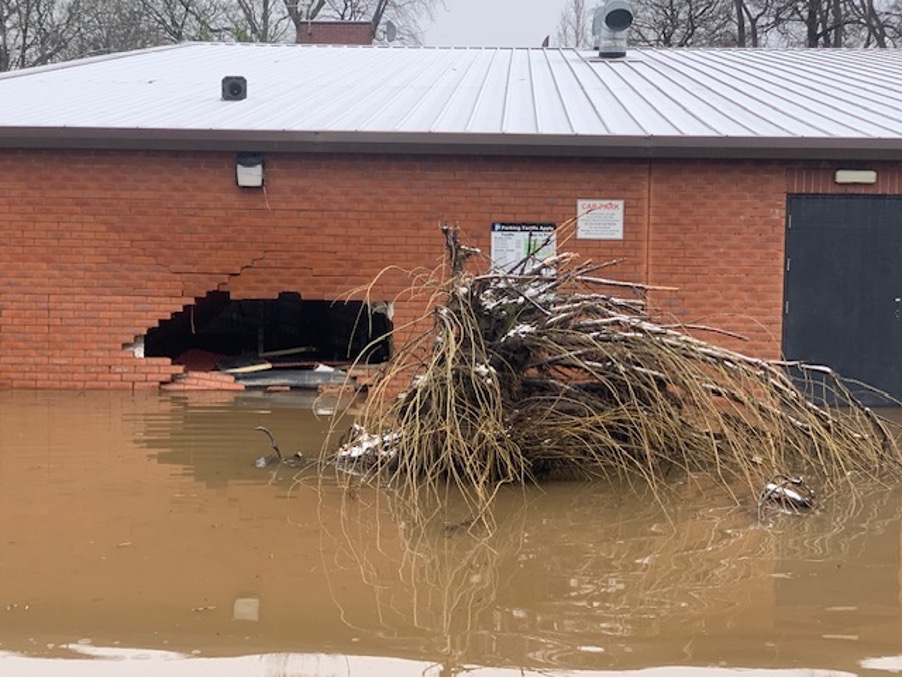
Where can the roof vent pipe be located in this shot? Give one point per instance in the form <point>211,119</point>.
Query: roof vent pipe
<point>610,28</point>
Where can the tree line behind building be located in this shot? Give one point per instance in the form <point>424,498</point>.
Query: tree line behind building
<point>38,32</point>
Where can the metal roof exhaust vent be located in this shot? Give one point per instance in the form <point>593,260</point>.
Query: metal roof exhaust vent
<point>234,88</point>
<point>610,28</point>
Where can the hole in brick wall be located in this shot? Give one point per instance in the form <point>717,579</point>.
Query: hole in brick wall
<point>285,333</point>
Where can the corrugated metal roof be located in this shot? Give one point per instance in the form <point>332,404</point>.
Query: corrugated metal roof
<point>503,99</point>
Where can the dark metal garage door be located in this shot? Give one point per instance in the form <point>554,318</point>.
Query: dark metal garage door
<point>843,286</point>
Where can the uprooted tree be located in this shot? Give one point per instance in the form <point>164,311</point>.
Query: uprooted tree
<point>549,369</point>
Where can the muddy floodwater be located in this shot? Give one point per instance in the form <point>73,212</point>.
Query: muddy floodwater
<point>138,537</point>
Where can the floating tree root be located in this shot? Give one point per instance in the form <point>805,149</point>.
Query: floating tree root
<point>551,370</point>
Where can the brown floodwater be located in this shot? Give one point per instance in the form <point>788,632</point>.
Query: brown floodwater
<point>137,536</point>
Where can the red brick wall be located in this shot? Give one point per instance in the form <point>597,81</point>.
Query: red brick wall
<point>717,233</point>
<point>98,247</point>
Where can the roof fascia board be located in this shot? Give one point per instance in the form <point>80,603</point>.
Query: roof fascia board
<point>450,144</point>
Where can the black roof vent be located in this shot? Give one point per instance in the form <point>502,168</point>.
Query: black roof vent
<point>234,88</point>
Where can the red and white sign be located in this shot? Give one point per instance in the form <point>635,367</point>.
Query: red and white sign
<point>599,219</point>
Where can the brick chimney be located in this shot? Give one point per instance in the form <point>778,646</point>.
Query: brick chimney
<point>335,33</point>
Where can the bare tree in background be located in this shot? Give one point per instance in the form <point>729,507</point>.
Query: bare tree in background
<point>841,23</point>
<point>35,32</point>
<point>575,24</point>
<point>181,20</point>
<point>753,19</point>
<point>874,28</point>
<point>259,21</point>
<point>106,26</point>
<point>659,23</point>
<point>749,23</point>
<point>682,23</point>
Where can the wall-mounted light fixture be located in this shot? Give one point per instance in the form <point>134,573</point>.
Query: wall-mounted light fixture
<point>849,176</point>
<point>249,170</point>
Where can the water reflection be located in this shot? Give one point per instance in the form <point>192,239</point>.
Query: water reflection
<point>577,577</point>
<point>141,522</point>
<point>212,435</point>
<point>109,662</point>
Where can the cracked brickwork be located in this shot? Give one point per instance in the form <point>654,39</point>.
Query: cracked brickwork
<point>99,246</point>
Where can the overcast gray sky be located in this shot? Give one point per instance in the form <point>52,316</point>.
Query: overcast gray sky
<point>494,23</point>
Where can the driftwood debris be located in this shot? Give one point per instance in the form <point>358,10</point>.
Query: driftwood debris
<point>295,459</point>
<point>552,369</point>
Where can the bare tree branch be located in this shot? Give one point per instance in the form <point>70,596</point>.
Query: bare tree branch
<point>748,23</point>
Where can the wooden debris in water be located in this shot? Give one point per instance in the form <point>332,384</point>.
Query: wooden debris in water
<point>295,459</point>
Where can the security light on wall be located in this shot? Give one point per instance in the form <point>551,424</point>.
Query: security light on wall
<point>249,170</point>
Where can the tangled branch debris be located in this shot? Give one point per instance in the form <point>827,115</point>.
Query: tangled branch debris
<point>549,369</point>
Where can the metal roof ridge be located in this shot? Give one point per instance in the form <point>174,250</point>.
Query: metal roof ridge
<point>84,61</point>
<point>400,48</point>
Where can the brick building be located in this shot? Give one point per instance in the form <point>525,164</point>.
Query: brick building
<point>764,184</point>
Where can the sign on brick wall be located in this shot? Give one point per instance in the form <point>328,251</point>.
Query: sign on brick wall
<point>599,219</point>
<point>511,242</point>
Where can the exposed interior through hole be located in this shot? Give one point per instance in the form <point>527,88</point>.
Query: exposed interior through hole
<point>288,331</point>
